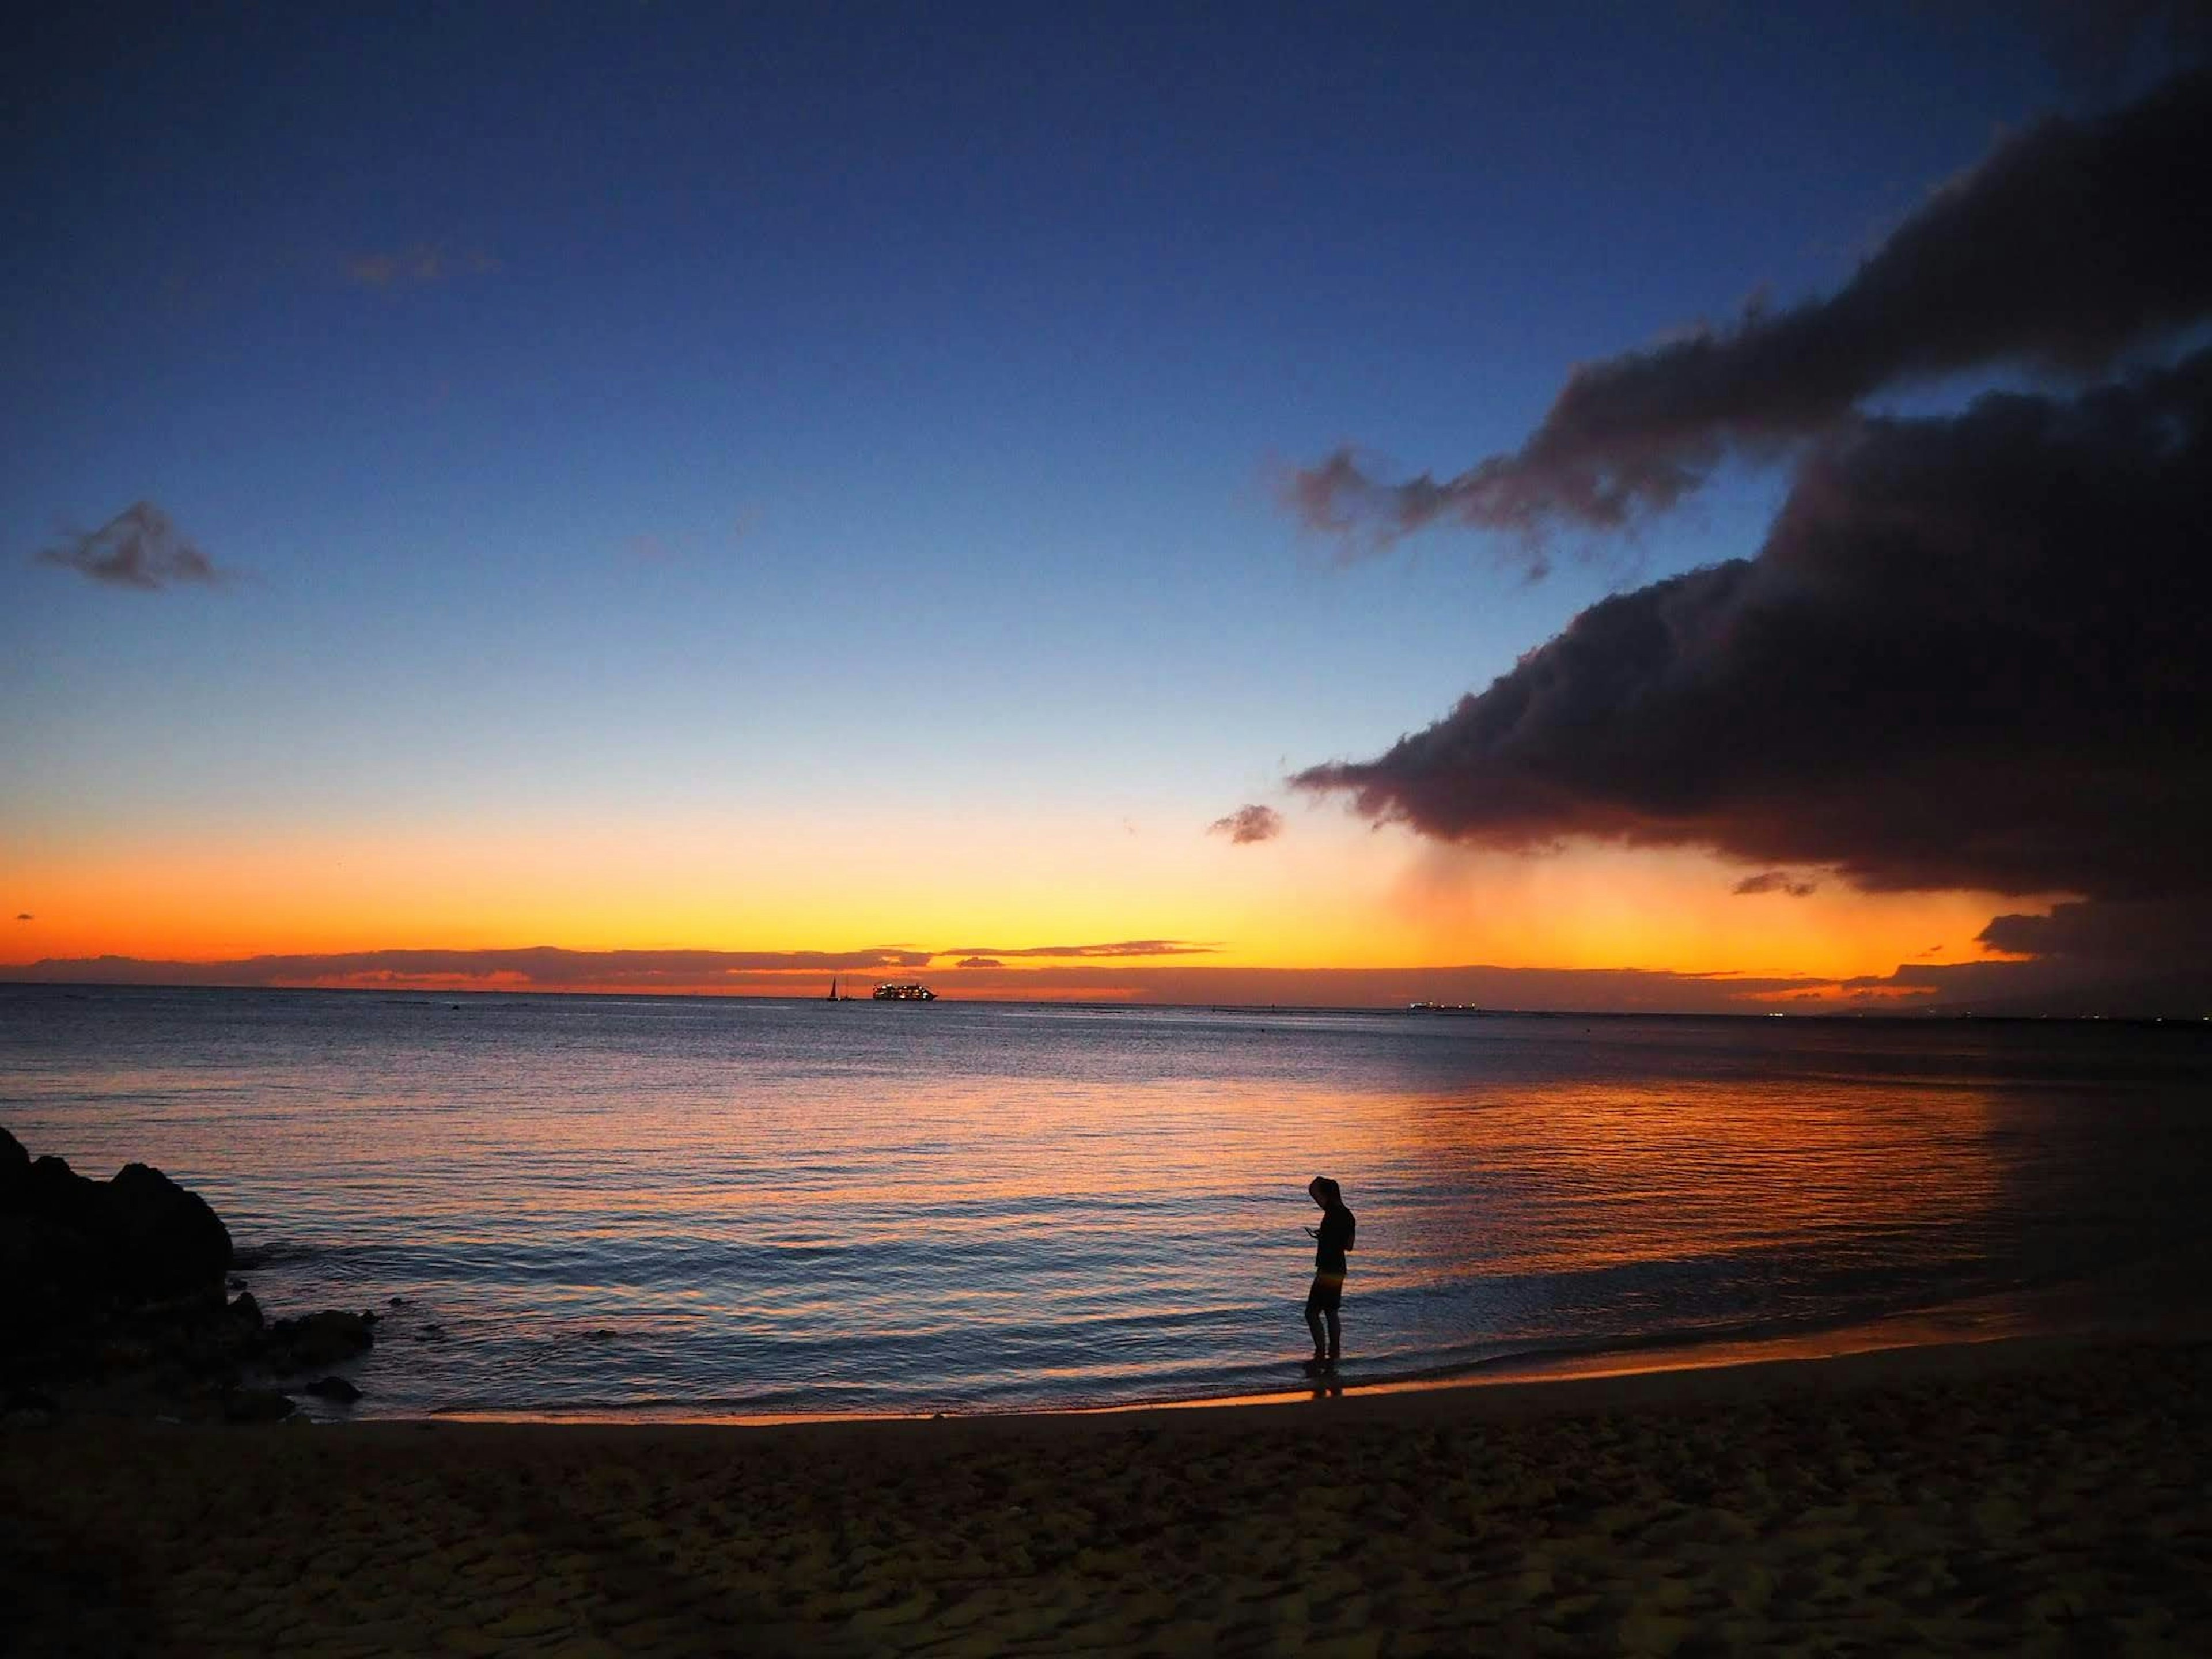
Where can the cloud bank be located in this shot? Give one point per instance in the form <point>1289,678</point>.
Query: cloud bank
<point>1975,653</point>
<point>140,547</point>
<point>548,968</point>
<point>2072,242</point>
<point>545,967</point>
<point>1537,989</point>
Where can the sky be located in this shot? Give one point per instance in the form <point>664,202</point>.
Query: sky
<point>1623,507</point>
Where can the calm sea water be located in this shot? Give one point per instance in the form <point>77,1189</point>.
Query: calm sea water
<point>699,1205</point>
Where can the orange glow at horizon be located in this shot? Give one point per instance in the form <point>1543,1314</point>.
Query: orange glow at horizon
<point>1328,893</point>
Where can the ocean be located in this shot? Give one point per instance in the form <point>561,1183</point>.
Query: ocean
<point>649,1206</point>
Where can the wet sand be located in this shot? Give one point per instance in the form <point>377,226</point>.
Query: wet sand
<point>2035,1496</point>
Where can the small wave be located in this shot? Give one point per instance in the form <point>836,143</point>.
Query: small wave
<point>274,1253</point>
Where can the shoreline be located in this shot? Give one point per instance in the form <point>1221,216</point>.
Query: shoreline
<point>2113,1309</point>
<point>2020,1493</point>
<point>1500,1395</point>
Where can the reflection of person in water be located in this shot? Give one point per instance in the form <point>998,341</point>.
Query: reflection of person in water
<point>1332,1240</point>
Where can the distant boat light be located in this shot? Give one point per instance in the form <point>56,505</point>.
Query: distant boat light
<point>904,994</point>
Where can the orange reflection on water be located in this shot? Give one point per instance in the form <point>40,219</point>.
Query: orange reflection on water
<point>1573,1177</point>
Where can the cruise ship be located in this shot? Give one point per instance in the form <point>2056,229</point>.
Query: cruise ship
<point>904,994</point>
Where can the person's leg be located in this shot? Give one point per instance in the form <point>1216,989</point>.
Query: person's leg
<point>1313,1320</point>
<point>1335,1336</point>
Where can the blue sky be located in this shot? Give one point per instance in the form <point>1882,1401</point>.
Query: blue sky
<point>859,407</point>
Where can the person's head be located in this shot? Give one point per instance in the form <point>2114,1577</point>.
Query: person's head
<point>1325,1192</point>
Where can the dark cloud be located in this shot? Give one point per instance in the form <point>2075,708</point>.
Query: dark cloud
<point>1974,652</point>
<point>2058,985</point>
<point>1128,947</point>
<point>2093,45</point>
<point>979,962</point>
<point>1777,881</point>
<point>2071,243</point>
<point>2167,933</point>
<point>1248,824</point>
<point>25,916</point>
<point>139,547</point>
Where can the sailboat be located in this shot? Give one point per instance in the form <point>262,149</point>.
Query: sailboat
<point>834,997</point>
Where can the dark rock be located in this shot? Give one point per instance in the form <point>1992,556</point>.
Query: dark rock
<point>395,1301</point>
<point>168,1239</point>
<point>256,1406</point>
<point>15,1170</point>
<point>333,1388</point>
<point>116,1298</point>
<point>54,1193</point>
<point>319,1339</point>
<point>75,1248</point>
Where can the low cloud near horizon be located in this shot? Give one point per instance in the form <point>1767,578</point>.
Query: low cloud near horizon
<point>802,973</point>
<point>1984,987</point>
<point>140,547</point>
<point>549,968</point>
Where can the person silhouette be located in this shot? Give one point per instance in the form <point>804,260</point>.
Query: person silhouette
<point>1332,1241</point>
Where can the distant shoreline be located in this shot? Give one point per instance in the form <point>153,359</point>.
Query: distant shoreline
<point>1107,1004</point>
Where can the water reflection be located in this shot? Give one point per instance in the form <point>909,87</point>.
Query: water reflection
<point>801,1207</point>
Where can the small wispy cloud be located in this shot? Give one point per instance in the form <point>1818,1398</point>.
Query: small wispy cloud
<point>669,547</point>
<point>979,962</point>
<point>1778,881</point>
<point>25,916</point>
<point>420,266</point>
<point>139,547</point>
<point>1248,824</point>
<point>1120,948</point>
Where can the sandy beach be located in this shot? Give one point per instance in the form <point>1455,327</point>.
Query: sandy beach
<point>2019,1497</point>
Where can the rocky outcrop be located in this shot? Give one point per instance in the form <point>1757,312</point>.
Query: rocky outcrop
<point>117,1293</point>
<point>77,1247</point>
<point>163,1240</point>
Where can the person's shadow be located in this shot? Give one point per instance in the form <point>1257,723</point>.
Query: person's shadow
<point>1327,1385</point>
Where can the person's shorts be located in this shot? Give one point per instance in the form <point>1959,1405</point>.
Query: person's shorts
<point>1327,1295</point>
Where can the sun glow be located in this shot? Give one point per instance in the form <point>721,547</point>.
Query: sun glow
<point>1329,893</point>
